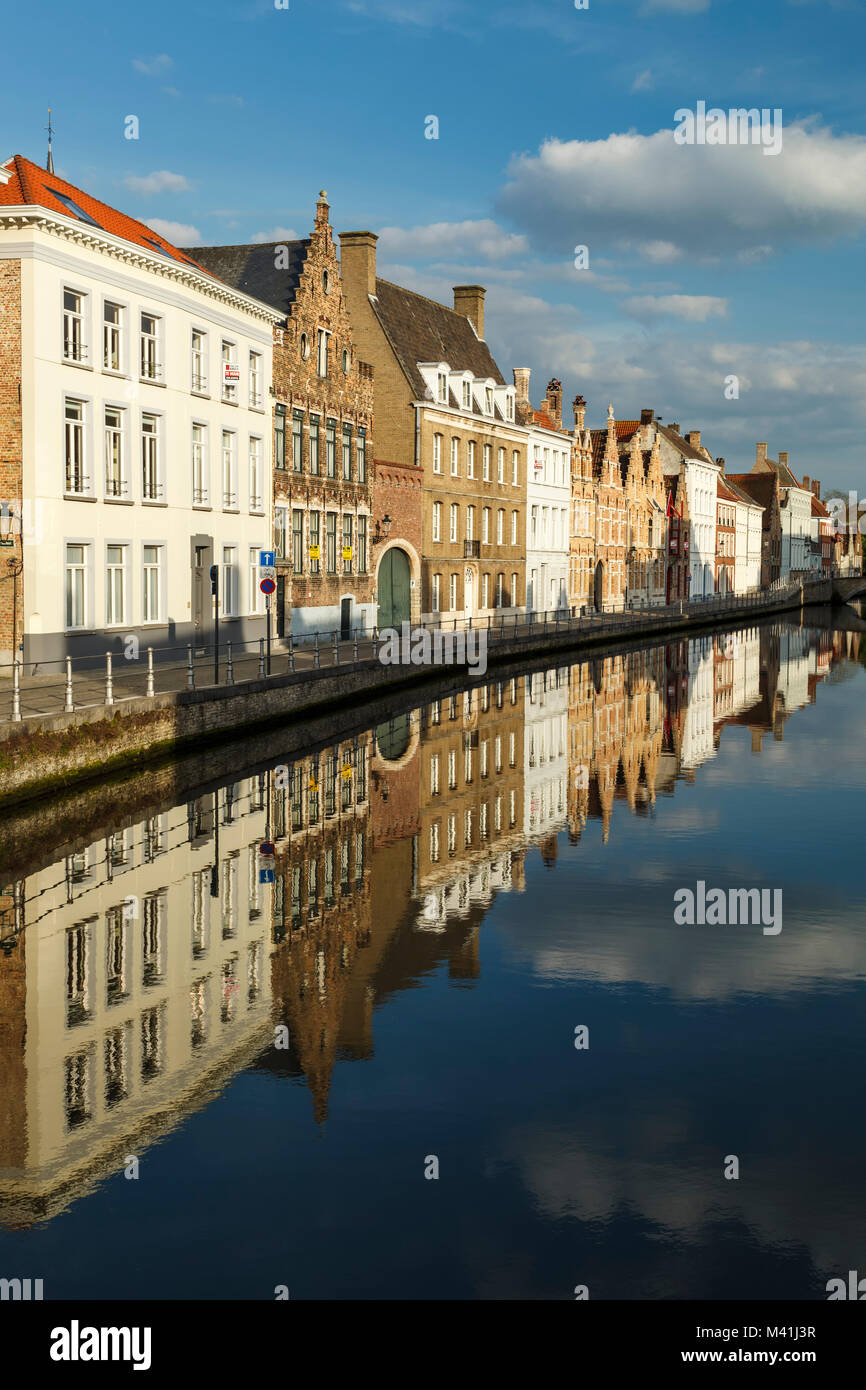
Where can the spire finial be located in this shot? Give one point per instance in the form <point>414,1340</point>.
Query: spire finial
<point>50,161</point>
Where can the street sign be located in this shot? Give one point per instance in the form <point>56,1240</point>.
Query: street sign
<point>267,559</point>
<point>267,848</point>
<point>347,552</point>
<point>267,876</point>
<point>314,552</point>
<point>267,586</point>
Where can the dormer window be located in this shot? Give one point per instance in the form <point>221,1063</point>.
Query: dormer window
<point>488,400</point>
<point>509,405</point>
<point>467,395</point>
<point>442,380</point>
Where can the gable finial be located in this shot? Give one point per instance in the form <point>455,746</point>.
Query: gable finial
<point>49,165</point>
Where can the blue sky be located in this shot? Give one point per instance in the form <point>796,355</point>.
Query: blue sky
<point>554,131</point>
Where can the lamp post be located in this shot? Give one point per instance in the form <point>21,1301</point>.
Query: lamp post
<point>383,530</point>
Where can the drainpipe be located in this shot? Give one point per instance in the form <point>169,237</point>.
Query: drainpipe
<point>417,409</point>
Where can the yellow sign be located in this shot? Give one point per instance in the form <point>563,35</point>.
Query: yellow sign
<point>347,773</point>
<point>314,786</point>
<point>314,552</point>
<point>347,552</point>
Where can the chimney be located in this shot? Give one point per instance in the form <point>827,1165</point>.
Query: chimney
<point>721,463</point>
<point>554,401</point>
<point>579,413</point>
<point>816,488</point>
<point>358,261</point>
<point>761,455</point>
<point>521,384</point>
<point>807,483</point>
<point>469,300</point>
<point>647,417</point>
<point>694,438</point>
<point>783,458</point>
<point>675,428</point>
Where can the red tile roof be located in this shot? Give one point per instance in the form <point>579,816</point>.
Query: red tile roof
<point>31,185</point>
<point>626,428</point>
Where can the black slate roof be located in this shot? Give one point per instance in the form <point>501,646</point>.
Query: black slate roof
<point>420,330</point>
<point>253,269</point>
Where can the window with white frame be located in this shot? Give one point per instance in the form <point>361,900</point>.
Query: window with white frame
<point>500,466</point>
<point>115,454</point>
<point>452,592</point>
<point>230,370</point>
<point>442,381</point>
<point>452,769</point>
<point>200,469</point>
<point>485,526</point>
<point>434,774</point>
<point>455,457</point>
<point>256,380</point>
<point>257,500</point>
<point>77,481</point>
<point>115,585</point>
<point>230,581</point>
<point>437,453</point>
<point>257,598</point>
<point>514,528</point>
<point>74,347</point>
<point>198,360</point>
<point>485,591</point>
<point>515,468</point>
<point>513,593</point>
<point>77,584</point>
<point>467,395</point>
<point>322,352</point>
<point>470,459</point>
<point>509,402</point>
<point>229,471</point>
<point>151,462</point>
<point>499,584</point>
<point>151,583</point>
<point>488,399</point>
<point>452,526</point>
<point>488,450</point>
<point>500,526</point>
<point>437,521</point>
<point>435,593</point>
<point>149,334</point>
<point>280,532</point>
<point>112,336</point>
<point>470,523</point>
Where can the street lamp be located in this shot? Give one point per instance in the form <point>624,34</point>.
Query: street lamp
<point>383,530</point>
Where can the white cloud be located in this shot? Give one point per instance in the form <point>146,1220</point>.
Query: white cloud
<point>679,6</point>
<point>179,233</point>
<point>483,237</point>
<point>153,67</point>
<point>643,81</point>
<point>160,181</point>
<point>275,234</point>
<point>707,200</point>
<point>693,308</point>
<point>660,252</point>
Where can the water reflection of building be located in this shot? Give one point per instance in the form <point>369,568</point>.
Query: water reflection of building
<point>141,974</point>
<point>545,751</point>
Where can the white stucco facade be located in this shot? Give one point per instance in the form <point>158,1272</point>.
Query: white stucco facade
<point>548,503</point>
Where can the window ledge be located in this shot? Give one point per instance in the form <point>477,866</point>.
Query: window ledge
<point>201,507</point>
<point>119,501</point>
<point>78,497</point>
<point>202,395</point>
<point>149,503</point>
<point>82,367</point>
<point>152,381</point>
<point>226,400</point>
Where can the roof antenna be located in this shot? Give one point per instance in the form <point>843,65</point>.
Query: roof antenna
<point>50,164</point>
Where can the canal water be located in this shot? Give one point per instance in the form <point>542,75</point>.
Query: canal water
<point>411,1016</point>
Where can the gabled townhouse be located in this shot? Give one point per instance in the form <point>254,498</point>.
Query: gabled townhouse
<point>686,454</point>
<point>610,573</point>
<point>679,531</point>
<point>726,537</point>
<point>135,446</point>
<point>748,522</point>
<point>795,502</point>
<point>821,531</point>
<point>763,489</point>
<point>581,557</point>
<point>646,522</point>
<point>323,430</point>
<point>548,496</point>
<point>444,408</point>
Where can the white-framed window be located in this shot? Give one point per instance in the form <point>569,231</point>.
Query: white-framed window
<point>230,581</point>
<point>229,471</point>
<point>149,342</point>
<point>198,360</point>
<point>513,593</point>
<point>112,336</point>
<point>322,351</point>
<point>257,499</point>
<point>533,526</point>
<point>116,585</point>
<point>509,407</point>
<point>515,468</point>
<point>470,523</point>
<point>500,526</point>
<point>437,453</point>
<point>116,483</point>
<point>470,459</point>
<point>500,466</point>
<point>437,521</point>
<point>452,769</point>
<point>485,526</point>
<point>488,450</point>
<point>514,528</point>
<point>257,598</point>
<point>467,395</point>
<point>455,457</point>
<point>434,774</point>
<point>152,583</point>
<point>442,381</point>
<point>488,399</point>
<point>256,380</point>
<point>74,345</point>
<point>77,584</point>
<point>452,592</point>
<point>452,525</point>
<point>499,586</point>
<point>151,459</point>
<point>434,598</point>
<point>485,592</point>
<point>230,370</point>
<point>200,466</point>
<point>452,834</point>
<point>75,424</point>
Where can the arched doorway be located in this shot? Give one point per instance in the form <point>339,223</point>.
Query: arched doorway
<point>393,589</point>
<point>598,588</point>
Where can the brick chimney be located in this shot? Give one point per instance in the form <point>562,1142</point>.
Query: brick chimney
<point>554,401</point>
<point>807,482</point>
<point>783,458</point>
<point>674,427</point>
<point>358,261</point>
<point>469,300</point>
<point>761,454</point>
<point>647,417</point>
<point>521,384</point>
<point>694,438</point>
<point>816,488</point>
<point>579,413</point>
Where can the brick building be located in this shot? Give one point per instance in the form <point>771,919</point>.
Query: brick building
<point>442,406</point>
<point>323,429</point>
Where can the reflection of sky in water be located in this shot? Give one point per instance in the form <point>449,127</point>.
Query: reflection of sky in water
<point>557,1166</point>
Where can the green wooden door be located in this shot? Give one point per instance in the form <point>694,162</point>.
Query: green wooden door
<point>393,589</point>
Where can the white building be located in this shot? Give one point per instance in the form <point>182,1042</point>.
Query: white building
<point>548,497</point>
<point>145,433</point>
<point>545,752</point>
<point>747,551</point>
<point>701,472</point>
<point>795,512</point>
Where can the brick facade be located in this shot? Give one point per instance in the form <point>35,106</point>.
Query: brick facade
<point>11,605</point>
<point>397,494</point>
